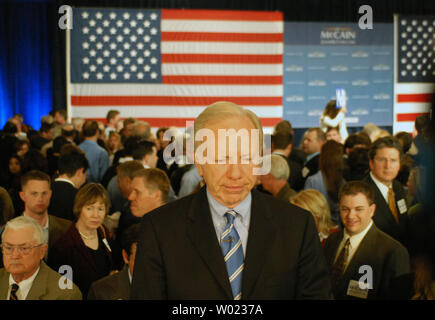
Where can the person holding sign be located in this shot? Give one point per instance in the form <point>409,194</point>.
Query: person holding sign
<point>334,113</point>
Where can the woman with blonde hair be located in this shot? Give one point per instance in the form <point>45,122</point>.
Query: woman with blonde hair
<point>314,201</point>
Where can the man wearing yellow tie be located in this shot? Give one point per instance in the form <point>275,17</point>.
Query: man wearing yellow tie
<point>390,198</point>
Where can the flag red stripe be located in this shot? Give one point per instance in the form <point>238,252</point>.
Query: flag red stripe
<point>170,101</point>
<point>221,37</point>
<point>421,97</point>
<point>221,58</point>
<point>221,15</point>
<point>238,80</point>
<point>409,116</point>
<point>181,122</point>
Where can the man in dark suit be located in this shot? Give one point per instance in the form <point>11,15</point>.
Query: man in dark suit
<point>117,286</point>
<point>390,197</point>
<point>72,168</point>
<point>312,143</point>
<point>282,144</point>
<point>365,262</point>
<point>228,241</point>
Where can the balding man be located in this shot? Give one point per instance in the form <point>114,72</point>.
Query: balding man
<point>227,241</point>
<point>314,138</point>
<point>276,181</point>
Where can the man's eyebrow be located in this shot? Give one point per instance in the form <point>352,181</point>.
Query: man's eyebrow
<point>18,245</point>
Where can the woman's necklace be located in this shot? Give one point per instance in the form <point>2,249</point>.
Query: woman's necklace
<point>87,237</point>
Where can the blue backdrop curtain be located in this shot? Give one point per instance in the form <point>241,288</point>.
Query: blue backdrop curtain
<point>25,62</point>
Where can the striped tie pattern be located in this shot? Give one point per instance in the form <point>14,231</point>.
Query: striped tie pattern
<point>14,290</point>
<point>232,250</point>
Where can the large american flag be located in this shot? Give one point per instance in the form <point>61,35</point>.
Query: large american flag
<point>414,69</point>
<point>166,66</point>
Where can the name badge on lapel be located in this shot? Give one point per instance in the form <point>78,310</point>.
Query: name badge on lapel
<point>357,289</point>
<point>305,172</point>
<point>107,244</point>
<point>402,206</point>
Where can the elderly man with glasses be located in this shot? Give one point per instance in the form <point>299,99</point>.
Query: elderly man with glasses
<point>25,276</point>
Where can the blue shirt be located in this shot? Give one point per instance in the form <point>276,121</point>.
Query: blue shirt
<point>311,156</point>
<point>98,160</point>
<point>241,223</point>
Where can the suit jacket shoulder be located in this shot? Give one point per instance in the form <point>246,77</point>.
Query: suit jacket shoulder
<point>62,200</point>
<point>57,227</point>
<point>113,287</point>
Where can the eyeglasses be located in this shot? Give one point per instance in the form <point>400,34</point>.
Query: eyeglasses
<point>8,250</point>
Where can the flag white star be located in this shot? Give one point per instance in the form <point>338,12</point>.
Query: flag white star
<point>146,23</point>
<point>99,45</point>
<point>85,60</point>
<point>119,53</point>
<point>147,68</point>
<point>133,38</point>
<point>119,68</point>
<point>140,45</point>
<point>153,75</point>
<point>92,53</point>
<point>133,68</point>
<point>139,31</point>
<point>106,53</point>
<point>153,31</point>
<point>106,68</point>
<point>126,16</point>
<point>126,75</point>
<point>126,46</point>
<point>119,23</point>
<point>113,76</point>
<point>85,75</point>
<point>92,23</point>
<point>112,15</point>
<point>106,23</point>
<point>99,76</point>
<point>99,30</point>
<point>126,30</point>
<point>92,38</point>
<point>85,30</point>
<point>153,16</point>
<point>133,23</point>
<point>133,53</point>
<point>112,61</point>
<point>85,45</point>
<point>92,68</point>
<point>140,60</point>
<point>140,15</point>
<point>153,60</point>
<point>126,60</point>
<point>146,53</point>
<point>106,38</point>
<point>99,60</point>
<point>119,38</point>
<point>153,46</point>
<point>113,46</point>
<point>98,15</point>
<point>85,15</point>
<point>112,31</point>
<point>147,38</point>
<point>140,75</point>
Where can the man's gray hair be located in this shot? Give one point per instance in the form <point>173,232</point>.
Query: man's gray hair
<point>279,167</point>
<point>22,222</point>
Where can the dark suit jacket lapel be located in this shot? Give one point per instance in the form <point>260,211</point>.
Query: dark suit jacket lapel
<point>261,237</point>
<point>334,242</point>
<point>201,231</point>
<point>382,206</point>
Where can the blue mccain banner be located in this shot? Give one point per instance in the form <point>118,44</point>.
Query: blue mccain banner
<point>321,57</point>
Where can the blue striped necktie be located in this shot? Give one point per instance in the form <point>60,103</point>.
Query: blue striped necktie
<point>232,250</point>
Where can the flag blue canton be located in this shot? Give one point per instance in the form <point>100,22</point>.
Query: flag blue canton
<point>416,48</point>
<point>115,46</point>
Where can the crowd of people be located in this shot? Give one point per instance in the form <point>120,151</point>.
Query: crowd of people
<point>75,198</point>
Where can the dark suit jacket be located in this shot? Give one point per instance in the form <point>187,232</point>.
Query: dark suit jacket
<point>383,216</point>
<point>71,250</point>
<point>62,200</point>
<point>179,256</point>
<point>298,156</point>
<point>44,287</point>
<point>114,287</point>
<point>388,259</point>
<point>312,166</point>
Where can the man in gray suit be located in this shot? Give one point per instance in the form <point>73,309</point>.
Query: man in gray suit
<point>365,262</point>
<point>26,276</point>
<point>117,286</point>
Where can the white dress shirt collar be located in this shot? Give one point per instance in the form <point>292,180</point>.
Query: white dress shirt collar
<point>65,180</point>
<point>24,286</point>
<point>382,187</point>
